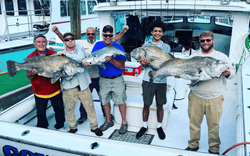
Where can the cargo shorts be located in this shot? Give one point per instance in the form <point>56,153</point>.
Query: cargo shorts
<point>112,89</point>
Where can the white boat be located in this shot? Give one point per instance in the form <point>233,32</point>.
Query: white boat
<point>23,19</point>
<point>229,20</point>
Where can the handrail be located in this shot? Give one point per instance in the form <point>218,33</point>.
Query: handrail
<point>1,72</point>
<point>29,20</point>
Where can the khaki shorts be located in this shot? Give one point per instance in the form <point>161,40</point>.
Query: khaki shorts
<point>112,89</point>
<point>149,90</point>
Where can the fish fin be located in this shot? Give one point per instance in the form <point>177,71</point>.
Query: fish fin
<point>35,58</point>
<point>12,68</point>
<point>194,83</point>
<point>164,63</point>
<point>151,58</point>
<point>172,56</point>
<point>54,79</point>
<point>151,75</point>
<point>102,66</point>
<point>192,73</point>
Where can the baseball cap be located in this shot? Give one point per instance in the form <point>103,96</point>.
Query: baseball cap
<point>39,35</point>
<point>107,28</point>
<point>68,33</point>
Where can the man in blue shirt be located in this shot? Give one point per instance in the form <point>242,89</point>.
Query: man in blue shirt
<point>112,84</point>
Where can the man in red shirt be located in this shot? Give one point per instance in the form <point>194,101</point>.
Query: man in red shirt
<point>44,90</point>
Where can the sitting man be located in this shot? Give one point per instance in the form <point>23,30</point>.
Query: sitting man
<point>176,46</point>
<point>77,87</point>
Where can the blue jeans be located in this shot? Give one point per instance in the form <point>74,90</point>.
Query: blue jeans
<point>94,85</point>
<point>41,107</point>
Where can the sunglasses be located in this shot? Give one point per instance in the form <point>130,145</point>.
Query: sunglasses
<point>67,39</point>
<point>90,34</point>
<point>208,40</point>
<point>106,35</point>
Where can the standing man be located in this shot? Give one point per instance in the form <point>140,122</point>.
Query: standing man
<point>93,70</point>
<point>44,90</point>
<point>112,84</point>
<point>206,98</point>
<point>77,87</point>
<point>159,87</point>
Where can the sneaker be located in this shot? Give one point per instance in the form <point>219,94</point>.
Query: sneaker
<point>97,132</point>
<point>106,125</point>
<point>161,134</point>
<point>81,120</point>
<point>72,130</point>
<point>142,131</point>
<point>61,129</point>
<point>213,152</point>
<point>123,129</point>
<point>174,107</point>
<point>192,149</point>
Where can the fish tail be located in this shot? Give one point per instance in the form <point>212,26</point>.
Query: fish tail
<point>12,68</point>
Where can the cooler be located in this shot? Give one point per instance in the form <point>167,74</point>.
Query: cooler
<point>130,68</point>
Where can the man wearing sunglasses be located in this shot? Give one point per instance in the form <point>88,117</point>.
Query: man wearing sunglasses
<point>93,70</point>
<point>156,89</point>
<point>44,90</point>
<point>206,98</point>
<point>77,87</point>
<point>112,85</point>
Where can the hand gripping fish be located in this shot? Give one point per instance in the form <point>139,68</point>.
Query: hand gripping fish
<point>98,56</point>
<point>48,66</point>
<point>155,56</point>
<point>196,68</point>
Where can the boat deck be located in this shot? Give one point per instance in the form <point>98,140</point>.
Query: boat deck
<point>177,129</point>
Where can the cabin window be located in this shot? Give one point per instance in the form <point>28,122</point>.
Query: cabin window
<point>9,7</point>
<point>199,19</point>
<point>22,9</point>
<point>64,5</point>
<point>224,21</point>
<point>173,19</point>
<point>91,5</point>
<point>42,9</point>
<point>0,9</point>
<point>83,8</point>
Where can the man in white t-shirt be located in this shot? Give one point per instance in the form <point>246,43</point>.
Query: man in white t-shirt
<point>206,98</point>
<point>93,70</point>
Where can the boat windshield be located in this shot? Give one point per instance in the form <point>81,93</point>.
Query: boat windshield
<point>173,19</point>
<point>223,21</point>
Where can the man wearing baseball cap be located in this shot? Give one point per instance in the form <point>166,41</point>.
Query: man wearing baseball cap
<point>77,87</point>
<point>88,45</point>
<point>112,84</point>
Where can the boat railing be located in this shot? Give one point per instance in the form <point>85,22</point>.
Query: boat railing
<point>1,72</point>
<point>29,20</point>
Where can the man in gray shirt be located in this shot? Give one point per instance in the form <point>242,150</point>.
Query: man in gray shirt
<point>159,87</point>
<point>77,87</point>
